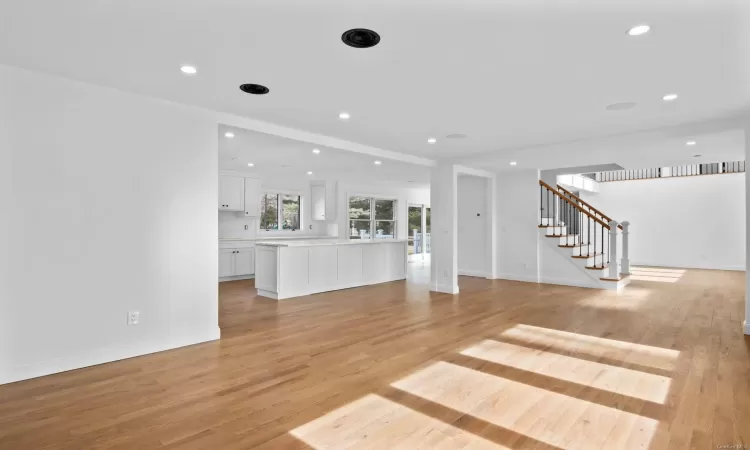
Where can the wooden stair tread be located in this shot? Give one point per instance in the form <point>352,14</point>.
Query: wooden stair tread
<point>596,268</point>
<point>561,235</point>
<point>584,256</point>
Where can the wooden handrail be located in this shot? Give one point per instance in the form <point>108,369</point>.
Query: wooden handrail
<point>580,200</point>
<point>588,205</point>
<point>574,205</point>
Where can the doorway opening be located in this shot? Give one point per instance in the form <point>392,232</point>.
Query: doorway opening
<point>419,233</point>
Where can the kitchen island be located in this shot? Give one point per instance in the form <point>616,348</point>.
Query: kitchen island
<point>286,269</point>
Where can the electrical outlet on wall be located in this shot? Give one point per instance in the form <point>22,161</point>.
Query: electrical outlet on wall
<point>134,317</point>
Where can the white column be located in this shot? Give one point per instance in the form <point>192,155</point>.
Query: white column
<point>444,245</point>
<point>625,269</point>
<point>613,266</point>
<point>747,230</point>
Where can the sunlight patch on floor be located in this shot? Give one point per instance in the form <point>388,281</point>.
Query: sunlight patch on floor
<point>657,274</point>
<point>619,380</point>
<point>556,419</point>
<point>658,270</point>
<point>645,355</point>
<point>374,422</point>
<point>631,300</point>
<point>637,277</point>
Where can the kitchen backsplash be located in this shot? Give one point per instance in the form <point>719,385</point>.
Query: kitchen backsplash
<point>232,225</point>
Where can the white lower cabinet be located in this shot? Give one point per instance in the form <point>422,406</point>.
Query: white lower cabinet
<point>244,261</point>
<point>297,269</point>
<point>236,262</point>
<point>226,263</point>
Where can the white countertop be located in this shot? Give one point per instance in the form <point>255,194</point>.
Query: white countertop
<point>319,242</point>
<point>278,238</point>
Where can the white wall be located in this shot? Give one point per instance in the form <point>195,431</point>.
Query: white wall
<point>444,217</point>
<point>473,242</point>
<point>419,196</point>
<point>232,224</point>
<point>693,222</point>
<point>517,197</point>
<point>746,324</point>
<point>109,205</point>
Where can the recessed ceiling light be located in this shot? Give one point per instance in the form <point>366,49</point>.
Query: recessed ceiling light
<point>316,151</point>
<point>639,30</point>
<point>431,140</point>
<point>229,135</point>
<point>690,143</point>
<point>189,70</point>
<point>255,89</point>
<point>377,163</point>
<point>623,106</point>
<point>669,97</point>
<point>344,116</point>
<point>513,163</point>
<point>360,38</point>
<point>250,165</point>
<point>309,172</point>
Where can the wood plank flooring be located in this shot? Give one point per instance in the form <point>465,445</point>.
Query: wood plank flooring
<point>502,365</point>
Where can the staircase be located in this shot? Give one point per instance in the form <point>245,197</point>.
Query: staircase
<point>582,246</point>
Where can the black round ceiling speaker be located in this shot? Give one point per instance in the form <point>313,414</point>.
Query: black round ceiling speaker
<point>360,38</point>
<point>256,89</point>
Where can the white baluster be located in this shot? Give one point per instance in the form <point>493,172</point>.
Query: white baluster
<point>612,251</point>
<point>625,246</point>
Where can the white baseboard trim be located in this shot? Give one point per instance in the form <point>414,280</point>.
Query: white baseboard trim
<point>101,356</point>
<point>446,289</point>
<point>746,328</point>
<point>239,277</point>
<point>268,294</point>
<point>680,266</point>
<point>473,273</point>
<point>513,277</point>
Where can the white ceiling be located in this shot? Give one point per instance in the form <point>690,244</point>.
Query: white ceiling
<point>509,74</point>
<point>275,157</point>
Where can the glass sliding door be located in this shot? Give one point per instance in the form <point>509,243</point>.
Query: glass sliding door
<point>427,232</point>
<point>416,229</point>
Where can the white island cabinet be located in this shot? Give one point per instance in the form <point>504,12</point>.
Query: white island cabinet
<point>285,269</point>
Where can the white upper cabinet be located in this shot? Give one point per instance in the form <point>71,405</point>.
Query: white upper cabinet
<point>252,197</point>
<point>318,201</point>
<point>323,200</point>
<point>231,193</point>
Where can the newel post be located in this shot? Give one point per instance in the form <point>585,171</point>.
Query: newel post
<point>613,266</point>
<point>625,246</point>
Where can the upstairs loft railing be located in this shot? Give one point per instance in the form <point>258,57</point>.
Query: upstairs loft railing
<point>669,172</point>
<point>593,235</point>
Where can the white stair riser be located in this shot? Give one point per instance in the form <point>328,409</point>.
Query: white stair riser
<point>556,230</point>
<point>596,260</point>
<point>552,222</point>
<point>569,240</point>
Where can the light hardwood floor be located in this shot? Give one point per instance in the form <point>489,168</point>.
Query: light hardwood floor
<point>504,364</point>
